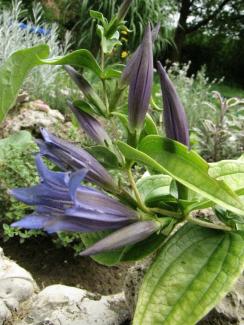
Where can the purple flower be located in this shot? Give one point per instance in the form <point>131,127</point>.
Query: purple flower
<point>62,204</point>
<point>90,125</point>
<point>68,156</point>
<point>175,121</point>
<point>139,72</point>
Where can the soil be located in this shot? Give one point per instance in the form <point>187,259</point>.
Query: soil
<point>50,265</point>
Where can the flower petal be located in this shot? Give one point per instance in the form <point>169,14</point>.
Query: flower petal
<point>77,158</point>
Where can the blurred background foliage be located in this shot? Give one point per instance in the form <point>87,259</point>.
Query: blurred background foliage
<point>206,32</point>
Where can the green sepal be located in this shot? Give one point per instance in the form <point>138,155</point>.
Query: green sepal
<point>105,156</point>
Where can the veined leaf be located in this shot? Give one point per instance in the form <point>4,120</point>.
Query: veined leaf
<point>193,270</point>
<point>187,167</point>
<point>153,188</point>
<point>13,72</point>
<point>230,171</point>
<point>79,58</point>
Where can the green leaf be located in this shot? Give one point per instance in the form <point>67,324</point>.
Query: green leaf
<point>13,72</point>
<point>193,270</point>
<point>154,188</point>
<point>105,156</point>
<point>230,171</point>
<point>108,44</point>
<point>19,140</point>
<point>143,248</point>
<point>98,16</point>
<point>230,219</point>
<point>113,71</point>
<point>86,107</point>
<point>187,167</point>
<point>150,126</point>
<point>79,58</point>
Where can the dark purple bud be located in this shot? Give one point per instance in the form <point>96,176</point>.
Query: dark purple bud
<point>175,121</point>
<point>123,9</point>
<point>66,155</point>
<point>90,125</point>
<point>126,236</point>
<point>62,204</point>
<point>141,80</point>
<point>135,57</point>
<point>86,88</point>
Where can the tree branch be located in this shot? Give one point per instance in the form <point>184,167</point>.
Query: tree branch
<point>204,21</point>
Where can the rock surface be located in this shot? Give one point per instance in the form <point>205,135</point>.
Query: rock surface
<point>63,305</point>
<point>16,286</point>
<point>230,310</point>
<point>30,116</point>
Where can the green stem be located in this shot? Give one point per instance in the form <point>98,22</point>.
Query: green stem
<point>136,192</point>
<point>105,95</point>
<point>165,212</point>
<point>207,224</point>
<point>116,97</point>
<point>140,203</point>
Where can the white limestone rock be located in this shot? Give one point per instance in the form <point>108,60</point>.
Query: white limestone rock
<point>63,305</point>
<point>16,286</point>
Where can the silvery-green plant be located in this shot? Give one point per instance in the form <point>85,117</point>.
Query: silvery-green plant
<point>221,137</point>
<point>46,82</point>
<point>196,260</point>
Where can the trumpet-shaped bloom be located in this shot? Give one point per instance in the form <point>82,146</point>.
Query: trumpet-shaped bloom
<point>175,121</point>
<point>62,204</point>
<point>139,72</point>
<point>90,125</point>
<point>68,156</point>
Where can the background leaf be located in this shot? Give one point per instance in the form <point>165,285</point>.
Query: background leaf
<point>195,268</point>
<point>79,58</point>
<point>13,72</point>
<point>230,171</point>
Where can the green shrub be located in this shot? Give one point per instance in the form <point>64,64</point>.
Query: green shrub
<point>222,136</point>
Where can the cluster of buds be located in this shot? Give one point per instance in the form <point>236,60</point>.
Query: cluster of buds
<point>61,202</point>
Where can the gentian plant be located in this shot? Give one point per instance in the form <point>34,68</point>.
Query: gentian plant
<point>196,259</point>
